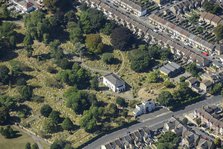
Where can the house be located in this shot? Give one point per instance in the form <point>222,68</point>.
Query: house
<point>213,77</point>
<point>183,35</point>
<point>205,144</point>
<point>24,5</point>
<point>131,6</point>
<point>137,139</point>
<point>189,139</point>
<point>161,2</point>
<point>113,82</point>
<point>144,107</point>
<point>171,69</point>
<point>206,85</point>
<point>193,82</point>
<point>211,122</point>
<point>210,18</point>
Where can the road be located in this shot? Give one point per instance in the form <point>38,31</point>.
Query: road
<point>152,120</point>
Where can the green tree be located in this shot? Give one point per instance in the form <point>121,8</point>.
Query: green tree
<point>218,31</point>
<point>58,5</point>
<point>154,77</point>
<point>193,69</point>
<point>198,121</point>
<point>108,27</point>
<point>141,60</point>
<point>165,98</point>
<point>8,132</point>
<point>121,102</point>
<point>169,84</point>
<point>75,32</point>
<point>61,144</point>
<point>26,92</point>
<point>4,115</point>
<point>94,43</point>
<point>216,89</point>
<point>91,20</point>
<point>185,121</point>
<point>34,146</point>
<point>4,12</point>
<point>28,146</point>
<point>121,38</point>
<point>88,122</point>
<point>46,110</point>
<point>55,117</point>
<point>4,74</point>
<point>28,40</point>
<point>217,142</point>
<point>94,83</point>
<point>182,79</point>
<point>169,140</point>
<point>49,126</point>
<point>108,58</point>
<point>7,38</point>
<point>67,124</point>
<point>111,110</point>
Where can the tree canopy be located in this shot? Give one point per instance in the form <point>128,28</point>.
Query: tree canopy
<point>120,38</point>
<point>46,110</point>
<point>79,100</point>
<point>91,20</point>
<point>169,140</point>
<point>94,43</point>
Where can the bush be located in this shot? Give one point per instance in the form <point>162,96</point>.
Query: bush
<point>67,124</point>
<point>8,132</point>
<point>26,92</point>
<point>46,110</point>
<point>182,79</point>
<point>108,58</point>
<point>121,102</point>
<point>21,81</point>
<point>169,84</point>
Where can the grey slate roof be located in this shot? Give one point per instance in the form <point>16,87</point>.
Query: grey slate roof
<point>114,79</point>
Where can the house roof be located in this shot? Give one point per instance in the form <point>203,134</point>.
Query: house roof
<point>134,5</point>
<point>114,79</point>
<point>175,65</point>
<point>165,70</point>
<point>192,80</point>
<point>207,83</point>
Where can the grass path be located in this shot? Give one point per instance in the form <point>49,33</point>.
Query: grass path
<point>123,63</point>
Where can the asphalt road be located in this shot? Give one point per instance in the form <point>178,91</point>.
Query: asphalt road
<point>152,120</point>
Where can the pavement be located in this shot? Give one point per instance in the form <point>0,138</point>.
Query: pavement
<point>153,120</point>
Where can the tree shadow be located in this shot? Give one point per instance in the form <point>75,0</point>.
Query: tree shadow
<point>42,57</point>
<point>9,55</point>
<point>24,109</point>
<point>108,49</point>
<point>116,61</point>
<point>19,37</point>
<point>16,135</point>
<point>14,119</point>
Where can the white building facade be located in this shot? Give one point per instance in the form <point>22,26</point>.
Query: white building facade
<point>145,107</point>
<point>114,83</point>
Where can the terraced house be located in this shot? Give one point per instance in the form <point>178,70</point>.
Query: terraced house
<point>184,36</point>
<point>132,6</point>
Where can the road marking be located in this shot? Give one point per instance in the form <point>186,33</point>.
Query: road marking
<point>148,119</point>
